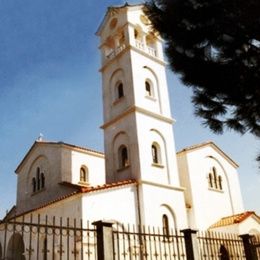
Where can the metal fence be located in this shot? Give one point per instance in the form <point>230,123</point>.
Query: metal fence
<point>256,244</point>
<point>147,243</point>
<point>215,246</point>
<point>47,239</point>
<point>51,238</point>
<point>130,242</point>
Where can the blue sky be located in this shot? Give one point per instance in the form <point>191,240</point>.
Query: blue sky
<point>50,84</point>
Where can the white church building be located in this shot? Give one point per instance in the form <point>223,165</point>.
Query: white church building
<point>139,179</point>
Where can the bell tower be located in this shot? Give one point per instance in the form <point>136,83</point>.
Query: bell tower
<point>138,133</point>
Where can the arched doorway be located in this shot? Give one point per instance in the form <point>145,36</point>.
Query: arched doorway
<point>224,255</point>
<point>15,249</point>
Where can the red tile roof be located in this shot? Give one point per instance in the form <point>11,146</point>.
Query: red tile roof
<point>234,219</point>
<point>80,190</point>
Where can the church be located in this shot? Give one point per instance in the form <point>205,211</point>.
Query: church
<point>140,179</point>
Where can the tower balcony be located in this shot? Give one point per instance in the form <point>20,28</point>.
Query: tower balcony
<point>147,49</point>
<point>112,53</point>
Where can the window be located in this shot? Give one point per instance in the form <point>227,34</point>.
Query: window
<point>165,225</point>
<point>83,175</point>
<point>215,180</point>
<point>151,44</point>
<point>136,33</point>
<point>148,89</point>
<point>224,255</point>
<point>38,179</point>
<point>38,182</point>
<point>210,181</point>
<point>120,90</point>
<point>156,153</point>
<point>123,157</point>
<point>34,184</point>
<point>220,182</point>
<point>42,180</point>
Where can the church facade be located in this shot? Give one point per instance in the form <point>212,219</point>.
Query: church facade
<point>139,179</point>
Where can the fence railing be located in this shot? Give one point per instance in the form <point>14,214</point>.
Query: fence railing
<point>132,242</point>
<point>217,246</point>
<point>256,244</point>
<point>59,238</point>
<point>47,239</point>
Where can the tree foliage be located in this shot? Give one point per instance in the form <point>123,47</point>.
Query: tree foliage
<point>215,46</point>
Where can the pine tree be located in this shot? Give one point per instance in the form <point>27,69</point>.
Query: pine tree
<point>214,45</point>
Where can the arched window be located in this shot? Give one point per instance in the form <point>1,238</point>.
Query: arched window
<point>123,157</point>
<point>210,181</point>
<point>220,182</point>
<point>83,174</point>
<point>215,178</point>
<point>138,33</point>
<point>151,44</point>
<point>156,153</point>
<point>224,255</point>
<point>165,225</point>
<point>38,180</point>
<point>120,90</point>
<point>33,184</point>
<point>42,180</point>
<point>148,89</point>
<point>121,37</point>
<point>15,247</point>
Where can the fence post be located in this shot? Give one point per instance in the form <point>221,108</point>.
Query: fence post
<point>191,244</point>
<point>249,248</point>
<point>104,240</point>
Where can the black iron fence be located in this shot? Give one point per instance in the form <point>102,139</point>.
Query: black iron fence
<point>256,245</point>
<point>215,245</point>
<point>131,242</point>
<point>51,238</point>
<point>48,238</point>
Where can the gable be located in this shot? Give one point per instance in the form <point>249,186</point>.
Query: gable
<point>44,145</point>
<point>111,11</point>
<point>206,147</point>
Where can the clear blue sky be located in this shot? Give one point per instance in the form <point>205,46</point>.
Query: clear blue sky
<point>50,84</point>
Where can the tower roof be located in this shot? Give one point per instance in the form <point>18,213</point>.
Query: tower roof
<point>111,10</point>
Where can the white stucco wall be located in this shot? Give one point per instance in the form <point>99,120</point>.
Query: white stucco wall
<point>250,226</point>
<point>117,205</point>
<point>48,159</point>
<point>209,205</point>
<point>59,163</point>
<point>157,200</point>
<point>94,163</point>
